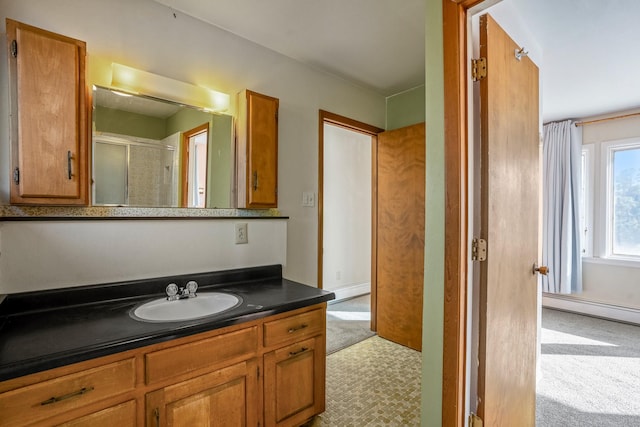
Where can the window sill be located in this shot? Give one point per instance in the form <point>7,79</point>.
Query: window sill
<point>621,262</point>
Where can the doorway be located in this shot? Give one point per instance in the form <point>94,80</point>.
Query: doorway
<point>346,212</point>
<point>194,166</point>
<point>346,207</point>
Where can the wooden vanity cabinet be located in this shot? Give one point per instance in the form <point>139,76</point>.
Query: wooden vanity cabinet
<point>121,415</point>
<point>257,151</point>
<point>265,372</point>
<point>294,371</point>
<point>85,394</point>
<point>49,120</point>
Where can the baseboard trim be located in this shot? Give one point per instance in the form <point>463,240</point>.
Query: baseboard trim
<point>350,291</point>
<point>592,308</point>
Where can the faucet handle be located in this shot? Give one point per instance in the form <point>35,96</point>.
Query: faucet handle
<point>172,291</point>
<point>192,287</point>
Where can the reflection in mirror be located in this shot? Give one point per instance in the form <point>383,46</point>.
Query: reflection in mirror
<point>154,153</point>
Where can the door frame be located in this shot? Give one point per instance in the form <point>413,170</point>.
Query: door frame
<point>456,251</point>
<point>372,131</point>
<point>184,164</point>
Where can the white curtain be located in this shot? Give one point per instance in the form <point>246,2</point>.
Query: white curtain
<point>562,152</point>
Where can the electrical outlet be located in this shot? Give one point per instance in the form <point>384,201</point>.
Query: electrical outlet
<point>241,233</point>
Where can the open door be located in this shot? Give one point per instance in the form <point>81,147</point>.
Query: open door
<point>509,225</point>
<point>400,235</point>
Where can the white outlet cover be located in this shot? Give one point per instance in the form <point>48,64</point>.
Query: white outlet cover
<point>241,233</point>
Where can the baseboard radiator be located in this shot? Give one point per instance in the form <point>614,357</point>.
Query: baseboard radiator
<point>591,308</point>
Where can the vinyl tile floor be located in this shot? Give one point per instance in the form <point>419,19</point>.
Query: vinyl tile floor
<point>372,383</point>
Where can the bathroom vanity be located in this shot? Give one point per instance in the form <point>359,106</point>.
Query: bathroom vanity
<point>77,357</point>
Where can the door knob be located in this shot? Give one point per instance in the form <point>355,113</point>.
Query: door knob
<point>544,270</point>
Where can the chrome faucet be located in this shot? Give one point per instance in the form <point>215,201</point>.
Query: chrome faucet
<point>174,293</point>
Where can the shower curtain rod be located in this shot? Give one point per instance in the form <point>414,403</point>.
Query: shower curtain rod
<point>589,122</point>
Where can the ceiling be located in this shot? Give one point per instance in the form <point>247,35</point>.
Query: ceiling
<point>377,44</point>
<point>590,57</point>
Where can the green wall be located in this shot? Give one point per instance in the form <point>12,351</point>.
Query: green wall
<point>125,123</point>
<point>220,162</point>
<point>433,311</point>
<point>406,108</point>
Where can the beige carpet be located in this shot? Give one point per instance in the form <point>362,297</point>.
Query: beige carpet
<point>590,372</point>
<point>372,383</point>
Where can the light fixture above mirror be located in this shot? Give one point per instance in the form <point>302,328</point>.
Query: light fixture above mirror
<point>132,80</point>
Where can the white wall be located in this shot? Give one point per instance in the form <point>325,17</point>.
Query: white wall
<point>346,209</point>
<point>43,255</point>
<point>146,35</point>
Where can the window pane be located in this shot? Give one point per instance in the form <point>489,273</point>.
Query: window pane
<point>626,202</point>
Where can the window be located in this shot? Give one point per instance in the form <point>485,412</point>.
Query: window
<point>624,200</point>
<point>610,201</point>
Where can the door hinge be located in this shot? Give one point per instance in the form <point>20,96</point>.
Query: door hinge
<point>475,421</point>
<point>478,249</point>
<point>16,175</point>
<point>14,48</point>
<point>478,69</point>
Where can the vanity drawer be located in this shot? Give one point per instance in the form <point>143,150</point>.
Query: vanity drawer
<point>48,398</point>
<point>294,327</point>
<point>207,353</point>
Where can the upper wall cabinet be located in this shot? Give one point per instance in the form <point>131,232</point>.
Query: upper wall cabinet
<point>257,151</point>
<point>49,135</point>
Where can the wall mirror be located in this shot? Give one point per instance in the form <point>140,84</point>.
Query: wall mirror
<point>149,152</point>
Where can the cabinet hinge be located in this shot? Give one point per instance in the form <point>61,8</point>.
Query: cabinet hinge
<point>14,48</point>
<point>475,421</point>
<point>16,175</point>
<point>478,69</point>
<point>478,249</point>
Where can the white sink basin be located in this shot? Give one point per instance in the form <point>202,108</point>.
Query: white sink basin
<point>205,304</point>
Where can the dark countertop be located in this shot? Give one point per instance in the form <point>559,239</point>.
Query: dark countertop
<point>49,329</point>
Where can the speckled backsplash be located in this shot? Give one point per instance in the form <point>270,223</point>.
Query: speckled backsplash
<point>10,211</point>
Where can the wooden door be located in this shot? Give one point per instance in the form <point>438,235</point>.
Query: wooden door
<point>223,398</point>
<point>509,224</point>
<point>400,235</point>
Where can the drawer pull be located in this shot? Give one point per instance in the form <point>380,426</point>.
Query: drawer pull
<point>156,416</point>
<point>295,353</point>
<point>80,392</point>
<point>297,328</point>
<point>69,170</point>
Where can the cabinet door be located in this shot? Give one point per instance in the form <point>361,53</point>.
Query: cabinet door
<point>294,383</point>
<point>257,151</point>
<point>223,398</point>
<point>49,141</point>
<point>122,415</point>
